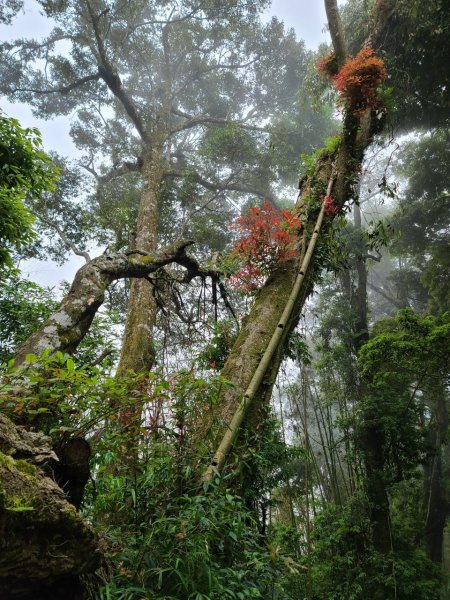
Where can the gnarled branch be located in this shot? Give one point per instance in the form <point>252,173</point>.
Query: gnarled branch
<point>66,327</point>
<point>226,185</point>
<point>198,120</point>
<point>64,238</point>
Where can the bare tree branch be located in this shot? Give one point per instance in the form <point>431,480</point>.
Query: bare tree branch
<point>197,120</point>
<point>230,66</point>
<point>111,77</point>
<point>386,296</point>
<point>336,32</point>
<point>227,185</point>
<point>66,89</point>
<point>64,238</point>
<point>117,171</point>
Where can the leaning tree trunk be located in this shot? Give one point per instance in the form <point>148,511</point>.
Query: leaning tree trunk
<point>341,168</point>
<point>241,406</point>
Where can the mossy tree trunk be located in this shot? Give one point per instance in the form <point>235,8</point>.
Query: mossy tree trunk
<point>137,352</point>
<point>343,166</point>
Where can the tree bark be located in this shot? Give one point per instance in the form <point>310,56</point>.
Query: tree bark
<point>370,438</point>
<point>137,354</point>
<point>272,350</point>
<point>45,546</point>
<point>436,506</point>
<point>65,329</point>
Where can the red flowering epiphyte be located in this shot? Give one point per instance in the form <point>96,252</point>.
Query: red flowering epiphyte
<point>358,80</point>
<point>269,237</point>
<point>248,279</point>
<point>328,65</point>
<point>330,205</point>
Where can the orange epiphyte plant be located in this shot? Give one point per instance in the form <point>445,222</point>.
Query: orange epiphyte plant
<point>269,237</point>
<point>328,65</point>
<point>358,79</point>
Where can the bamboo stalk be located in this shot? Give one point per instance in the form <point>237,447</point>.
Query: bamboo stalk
<point>230,434</point>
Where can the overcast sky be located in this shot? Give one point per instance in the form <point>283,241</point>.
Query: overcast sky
<point>306,17</point>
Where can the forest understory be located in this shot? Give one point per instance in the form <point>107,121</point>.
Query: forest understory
<point>244,391</point>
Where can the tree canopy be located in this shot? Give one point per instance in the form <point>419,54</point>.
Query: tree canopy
<point>26,173</point>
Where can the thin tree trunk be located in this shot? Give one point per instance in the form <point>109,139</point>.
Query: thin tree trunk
<point>371,441</point>
<point>436,506</point>
<point>371,438</point>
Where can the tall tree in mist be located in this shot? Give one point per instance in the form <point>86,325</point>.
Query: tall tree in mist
<point>150,86</point>
<point>334,174</point>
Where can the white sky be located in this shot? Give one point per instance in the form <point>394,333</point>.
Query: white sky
<point>306,17</point>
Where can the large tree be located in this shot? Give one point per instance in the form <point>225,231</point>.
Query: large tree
<point>335,173</point>
<point>154,88</point>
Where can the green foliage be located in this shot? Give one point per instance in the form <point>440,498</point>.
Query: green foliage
<point>398,365</point>
<point>67,209</point>
<point>406,344</point>
<point>168,537</point>
<point>308,162</point>
<point>196,547</point>
<point>378,234</point>
<point>9,10</point>
<point>58,395</point>
<point>415,45</point>
<point>267,461</point>
<point>405,359</point>
<point>297,348</point>
<point>24,305</point>
<point>230,70</point>
<point>336,246</point>
<point>25,170</point>
<point>423,215</point>
<point>346,567</point>
<point>216,351</point>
